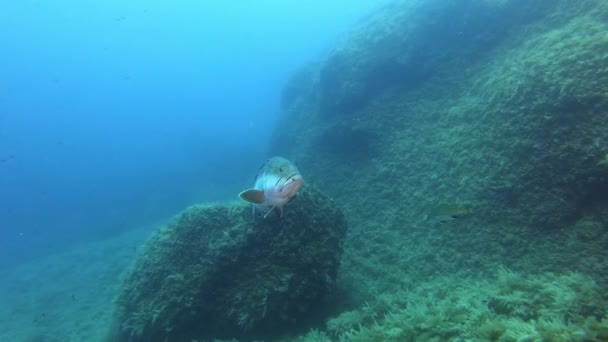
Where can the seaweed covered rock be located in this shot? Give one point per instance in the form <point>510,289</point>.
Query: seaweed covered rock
<point>515,125</point>
<point>407,42</point>
<point>518,132</point>
<point>215,273</point>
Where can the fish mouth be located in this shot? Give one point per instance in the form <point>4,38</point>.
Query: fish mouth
<point>292,177</point>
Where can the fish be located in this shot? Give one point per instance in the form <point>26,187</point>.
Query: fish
<point>277,183</point>
<point>448,212</point>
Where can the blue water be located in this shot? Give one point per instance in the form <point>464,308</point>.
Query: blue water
<point>116,114</point>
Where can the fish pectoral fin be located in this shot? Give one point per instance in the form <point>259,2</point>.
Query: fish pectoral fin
<point>253,196</point>
<point>268,212</point>
<point>291,199</point>
<point>279,211</point>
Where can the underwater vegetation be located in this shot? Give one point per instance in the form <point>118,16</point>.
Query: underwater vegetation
<point>506,307</point>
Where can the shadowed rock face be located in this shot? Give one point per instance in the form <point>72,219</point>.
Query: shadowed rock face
<point>213,273</point>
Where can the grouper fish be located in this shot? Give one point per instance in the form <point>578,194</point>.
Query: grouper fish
<point>278,181</point>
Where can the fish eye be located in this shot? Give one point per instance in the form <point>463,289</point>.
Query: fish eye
<point>280,169</point>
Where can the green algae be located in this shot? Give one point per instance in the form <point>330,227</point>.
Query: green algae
<point>508,307</point>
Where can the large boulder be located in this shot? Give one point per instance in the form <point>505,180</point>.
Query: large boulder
<point>214,272</point>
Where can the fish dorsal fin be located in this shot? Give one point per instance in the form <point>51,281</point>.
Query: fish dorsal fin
<point>253,196</point>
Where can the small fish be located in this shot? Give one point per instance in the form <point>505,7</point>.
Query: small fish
<point>278,181</point>
<point>448,212</point>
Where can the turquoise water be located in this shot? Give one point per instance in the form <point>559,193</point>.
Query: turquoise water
<point>116,115</point>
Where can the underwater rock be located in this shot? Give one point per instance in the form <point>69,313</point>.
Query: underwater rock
<point>299,85</point>
<point>518,131</point>
<point>497,123</point>
<point>214,273</point>
<point>347,143</point>
<point>405,43</point>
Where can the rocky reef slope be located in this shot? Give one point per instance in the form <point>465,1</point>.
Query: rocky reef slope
<point>499,105</point>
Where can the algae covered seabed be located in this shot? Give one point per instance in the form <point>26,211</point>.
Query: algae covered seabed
<point>67,296</point>
<point>500,106</point>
